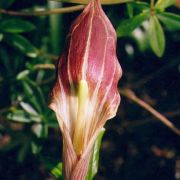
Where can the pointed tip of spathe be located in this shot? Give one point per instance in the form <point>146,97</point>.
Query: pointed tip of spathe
<point>95,3</point>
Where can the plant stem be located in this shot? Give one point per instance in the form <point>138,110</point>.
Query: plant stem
<point>131,95</point>
<point>55,29</point>
<point>44,66</point>
<point>152,4</point>
<point>43,13</point>
<point>104,2</point>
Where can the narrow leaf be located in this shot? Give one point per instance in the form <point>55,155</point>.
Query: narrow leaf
<point>93,165</point>
<point>36,148</point>
<point>28,108</point>
<point>40,130</point>
<point>130,9</point>
<point>127,26</point>
<point>170,20</point>
<point>162,4</point>
<point>22,44</point>
<point>22,74</point>
<point>32,95</point>
<point>37,92</point>
<point>156,36</point>
<point>1,37</point>
<point>57,171</point>
<point>19,116</point>
<point>16,26</point>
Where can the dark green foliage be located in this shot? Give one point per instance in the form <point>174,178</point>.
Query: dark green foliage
<point>151,14</point>
<point>170,20</point>
<point>16,26</point>
<point>30,142</point>
<point>156,36</point>
<point>127,26</point>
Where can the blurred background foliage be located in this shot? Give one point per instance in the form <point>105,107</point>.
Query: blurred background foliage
<point>135,145</point>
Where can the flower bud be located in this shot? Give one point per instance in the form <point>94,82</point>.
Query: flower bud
<point>85,95</point>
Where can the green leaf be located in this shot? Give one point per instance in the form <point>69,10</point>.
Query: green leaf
<point>162,4</point>
<point>40,130</point>
<point>156,36</point>
<point>127,26</point>
<point>1,37</point>
<point>22,44</point>
<point>36,148</point>
<point>93,165</point>
<point>19,116</point>
<point>130,9</point>
<point>170,20</point>
<point>16,26</point>
<point>57,171</point>
<point>34,116</point>
<point>30,93</point>
<point>22,74</point>
<point>37,91</point>
<point>28,108</point>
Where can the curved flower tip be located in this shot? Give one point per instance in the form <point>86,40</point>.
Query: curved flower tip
<point>85,95</point>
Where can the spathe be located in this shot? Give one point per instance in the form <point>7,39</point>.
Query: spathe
<point>85,95</point>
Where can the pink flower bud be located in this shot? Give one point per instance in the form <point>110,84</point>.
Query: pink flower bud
<point>85,95</point>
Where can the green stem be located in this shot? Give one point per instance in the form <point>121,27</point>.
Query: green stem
<point>55,21</point>
<point>104,2</point>
<point>152,4</point>
<point>43,13</point>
